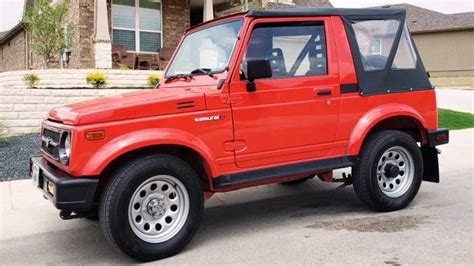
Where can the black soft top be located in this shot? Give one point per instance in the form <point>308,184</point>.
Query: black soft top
<point>343,12</point>
<point>377,72</point>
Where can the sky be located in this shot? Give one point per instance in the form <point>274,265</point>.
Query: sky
<point>10,13</point>
<point>11,10</point>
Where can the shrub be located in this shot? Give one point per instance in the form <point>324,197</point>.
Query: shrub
<point>153,79</point>
<point>31,80</point>
<point>96,79</point>
<point>122,66</point>
<point>3,135</point>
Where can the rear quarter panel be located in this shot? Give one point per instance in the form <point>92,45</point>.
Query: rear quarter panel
<point>359,114</point>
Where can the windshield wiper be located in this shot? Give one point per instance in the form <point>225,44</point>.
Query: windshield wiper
<point>205,71</point>
<point>177,76</point>
<point>197,71</point>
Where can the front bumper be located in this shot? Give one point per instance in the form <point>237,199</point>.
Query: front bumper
<point>63,190</point>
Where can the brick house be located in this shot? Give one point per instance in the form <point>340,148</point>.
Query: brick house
<point>141,26</point>
<point>13,51</point>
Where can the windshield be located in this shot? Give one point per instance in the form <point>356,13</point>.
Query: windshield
<point>208,49</point>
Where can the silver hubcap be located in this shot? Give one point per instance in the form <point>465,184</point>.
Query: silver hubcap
<point>158,209</point>
<point>395,171</point>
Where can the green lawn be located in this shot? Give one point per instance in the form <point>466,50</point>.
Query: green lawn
<point>454,120</point>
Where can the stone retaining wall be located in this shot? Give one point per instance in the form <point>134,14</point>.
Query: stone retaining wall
<point>22,109</point>
<point>76,78</point>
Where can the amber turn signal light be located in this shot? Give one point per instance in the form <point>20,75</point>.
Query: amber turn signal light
<point>95,135</point>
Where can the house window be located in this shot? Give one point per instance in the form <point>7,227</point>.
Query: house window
<point>376,46</point>
<point>136,24</point>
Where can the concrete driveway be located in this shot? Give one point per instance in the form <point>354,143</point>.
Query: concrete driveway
<point>305,224</point>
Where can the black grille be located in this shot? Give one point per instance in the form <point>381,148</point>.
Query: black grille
<point>50,139</point>
<point>53,135</point>
<point>183,105</point>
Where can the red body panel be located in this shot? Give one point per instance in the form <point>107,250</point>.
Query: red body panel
<point>128,106</point>
<point>286,107</point>
<point>284,121</point>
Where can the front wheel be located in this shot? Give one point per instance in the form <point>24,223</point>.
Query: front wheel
<point>152,207</point>
<point>390,170</point>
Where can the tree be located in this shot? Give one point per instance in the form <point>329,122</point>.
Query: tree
<point>49,34</point>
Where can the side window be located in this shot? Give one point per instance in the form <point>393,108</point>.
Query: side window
<point>292,49</point>
<point>375,40</point>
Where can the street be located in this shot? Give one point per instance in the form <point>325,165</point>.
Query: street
<point>309,223</point>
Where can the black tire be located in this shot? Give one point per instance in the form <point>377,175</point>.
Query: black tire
<point>92,217</point>
<point>365,177</point>
<point>297,181</point>
<point>113,211</point>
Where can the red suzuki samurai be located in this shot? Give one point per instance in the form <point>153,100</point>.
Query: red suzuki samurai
<point>266,96</point>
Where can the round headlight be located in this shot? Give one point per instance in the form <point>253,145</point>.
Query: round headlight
<point>65,147</point>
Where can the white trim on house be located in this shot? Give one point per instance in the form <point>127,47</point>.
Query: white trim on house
<point>137,29</point>
<point>208,10</point>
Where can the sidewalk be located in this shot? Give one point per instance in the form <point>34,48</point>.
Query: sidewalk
<point>457,100</point>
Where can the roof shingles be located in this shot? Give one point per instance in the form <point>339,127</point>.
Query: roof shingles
<point>3,33</point>
<point>425,20</point>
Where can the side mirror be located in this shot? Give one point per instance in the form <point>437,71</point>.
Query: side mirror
<point>257,69</point>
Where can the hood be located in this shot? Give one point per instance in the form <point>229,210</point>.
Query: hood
<point>130,105</point>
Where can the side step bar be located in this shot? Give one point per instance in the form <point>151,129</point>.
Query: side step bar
<point>270,173</point>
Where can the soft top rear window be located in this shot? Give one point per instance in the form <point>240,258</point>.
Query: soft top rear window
<point>375,40</point>
<point>405,58</point>
<point>385,56</point>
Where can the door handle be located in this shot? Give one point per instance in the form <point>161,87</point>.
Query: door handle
<point>323,92</point>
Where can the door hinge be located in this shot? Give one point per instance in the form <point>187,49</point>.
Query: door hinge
<point>231,99</point>
<point>237,145</point>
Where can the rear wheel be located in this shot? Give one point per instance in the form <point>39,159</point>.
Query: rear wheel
<point>152,207</point>
<point>390,170</point>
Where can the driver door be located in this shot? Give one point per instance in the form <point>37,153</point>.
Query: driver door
<point>292,115</point>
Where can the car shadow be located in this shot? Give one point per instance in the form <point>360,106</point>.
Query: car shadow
<point>87,244</point>
<point>247,218</point>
